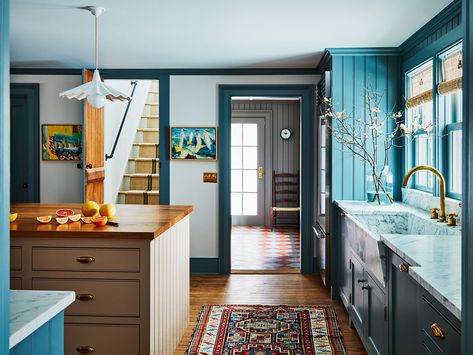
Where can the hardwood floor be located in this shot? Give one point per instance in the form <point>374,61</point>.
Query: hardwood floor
<point>265,289</point>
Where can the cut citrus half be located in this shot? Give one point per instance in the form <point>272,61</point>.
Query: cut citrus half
<point>100,221</point>
<point>74,218</point>
<point>44,219</point>
<point>13,217</point>
<point>62,220</point>
<point>64,212</point>
<point>87,220</point>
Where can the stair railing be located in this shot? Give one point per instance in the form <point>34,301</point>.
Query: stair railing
<point>107,156</point>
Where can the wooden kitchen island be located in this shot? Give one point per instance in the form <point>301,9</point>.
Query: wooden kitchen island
<point>131,281</point>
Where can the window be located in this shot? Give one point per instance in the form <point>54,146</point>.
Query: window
<point>420,111</point>
<point>443,149</point>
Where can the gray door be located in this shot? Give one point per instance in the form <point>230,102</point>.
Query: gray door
<point>248,171</point>
<point>24,143</point>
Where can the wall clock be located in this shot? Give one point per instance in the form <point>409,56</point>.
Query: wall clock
<point>285,133</point>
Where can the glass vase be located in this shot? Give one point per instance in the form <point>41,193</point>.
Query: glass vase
<point>379,189</point>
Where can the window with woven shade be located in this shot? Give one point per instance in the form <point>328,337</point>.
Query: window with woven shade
<point>421,86</point>
<point>452,70</point>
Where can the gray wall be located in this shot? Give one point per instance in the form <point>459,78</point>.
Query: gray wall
<point>286,114</point>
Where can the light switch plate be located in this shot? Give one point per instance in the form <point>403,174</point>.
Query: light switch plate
<point>210,178</point>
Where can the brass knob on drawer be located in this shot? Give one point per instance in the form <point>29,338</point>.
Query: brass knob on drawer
<point>84,349</point>
<point>85,297</point>
<point>437,331</point>
<point>85,259</point>
<point>403,267</point>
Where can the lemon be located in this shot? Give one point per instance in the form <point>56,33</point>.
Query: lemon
<point>90,209</point>
<point>13,217</point>
<point>108,210</point>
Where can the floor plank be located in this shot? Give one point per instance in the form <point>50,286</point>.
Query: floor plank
<point>265,289</point>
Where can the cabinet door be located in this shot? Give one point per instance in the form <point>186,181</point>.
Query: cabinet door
<point>404,308</point>
<point>359,294</point>
<point>376,319</point>
<point>427,347</point>
<point>346,272</point>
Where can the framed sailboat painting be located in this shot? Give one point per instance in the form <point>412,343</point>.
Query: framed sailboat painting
<point>193,143</point>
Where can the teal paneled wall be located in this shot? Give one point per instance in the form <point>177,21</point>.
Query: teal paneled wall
<point>4,178</point>
<point>351,74</point>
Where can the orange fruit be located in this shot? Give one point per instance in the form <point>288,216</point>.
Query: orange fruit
<point>87,220</point>
<point>13,217</point>
<point>62,220</point>
<point>100,221</point>
<point>44,219</point>
<point>108,210</point>
<point>64,212</point>
<point>74,218</point>
<point>90,209</point>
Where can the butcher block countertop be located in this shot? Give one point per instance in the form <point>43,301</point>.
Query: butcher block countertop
<point>135,221</point>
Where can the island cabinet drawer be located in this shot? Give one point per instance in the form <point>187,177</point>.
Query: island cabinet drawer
<point>101,339</point>
<point>86,259</point>
<point>97,297</point>
<point>439,328</point>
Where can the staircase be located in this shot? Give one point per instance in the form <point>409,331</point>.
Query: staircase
<point>140,184</point>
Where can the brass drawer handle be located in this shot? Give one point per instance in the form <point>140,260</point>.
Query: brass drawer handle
<point>85,259</point>
<point>85,349</point>
<point>437,331</point>
<point>403,267</point>
<point>85,297</point>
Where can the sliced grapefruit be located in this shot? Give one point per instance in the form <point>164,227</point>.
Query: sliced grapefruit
<point>44,219</point>
<point>100,221</point>
<point>64,212</point>
<point>13,217</point>
<point>62,220</point>
<point>74,218</point>
<point>87,220</point>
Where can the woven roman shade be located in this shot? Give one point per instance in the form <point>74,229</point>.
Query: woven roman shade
<point>421,87</point>
<point>452,70</point>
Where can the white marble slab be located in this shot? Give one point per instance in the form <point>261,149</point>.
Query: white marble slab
<point>29,310</point>
<point>437,261</point>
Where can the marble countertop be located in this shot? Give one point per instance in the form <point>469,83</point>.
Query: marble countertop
<point>437,260</point>
<point>29,310</point>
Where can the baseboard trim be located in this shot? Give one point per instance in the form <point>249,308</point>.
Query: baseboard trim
<point>207,266</point>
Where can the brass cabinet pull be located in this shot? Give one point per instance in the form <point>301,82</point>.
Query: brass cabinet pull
<point>85,297</point>
<point>84,349</point>
<point>403,267</point>
<point>85,259</point>
<point>367,287</point>
<point>360,281</point>
<point>437,331</point>
<point>342,214</point>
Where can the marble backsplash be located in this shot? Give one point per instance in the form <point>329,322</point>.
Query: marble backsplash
<point>425,201</point>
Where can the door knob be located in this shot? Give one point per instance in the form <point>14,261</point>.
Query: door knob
<point>25,186</point>
<point>88,166</point>
<point>260,172</point>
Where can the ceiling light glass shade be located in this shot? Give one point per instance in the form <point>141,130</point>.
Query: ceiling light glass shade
<point>95,91</point>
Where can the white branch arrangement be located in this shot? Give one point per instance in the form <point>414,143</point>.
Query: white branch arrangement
<point>371,139</point>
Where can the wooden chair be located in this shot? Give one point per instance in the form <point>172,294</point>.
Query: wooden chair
<point>285,210</point>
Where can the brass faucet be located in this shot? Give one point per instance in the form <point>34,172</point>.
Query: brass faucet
<point>443,214</point>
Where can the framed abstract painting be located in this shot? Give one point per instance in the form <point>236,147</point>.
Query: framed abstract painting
<point>61,142</point>
<point>193,143</point>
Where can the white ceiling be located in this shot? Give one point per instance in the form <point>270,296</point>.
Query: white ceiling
<point>207,33</point>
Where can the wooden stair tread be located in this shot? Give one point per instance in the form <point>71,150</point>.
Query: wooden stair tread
<point>146,144</point>
<point>140,175</point>
<point>143,159</point>
<point>152,103</point>
<point>139,192</point>
<point>153,92</point>
<point>149,116</point>
<point>148,129</point>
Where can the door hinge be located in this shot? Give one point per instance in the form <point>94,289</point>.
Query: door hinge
<point>349,298</point>
<point>385,312</point>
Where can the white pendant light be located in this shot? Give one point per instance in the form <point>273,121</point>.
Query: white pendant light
<point>95,91</point>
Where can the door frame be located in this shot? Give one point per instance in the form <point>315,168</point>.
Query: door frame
<point>306,94</point>
<point>30,91</point>
<point>267,116</point>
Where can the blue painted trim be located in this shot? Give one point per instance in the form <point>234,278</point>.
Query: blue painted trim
<point>467,188</point>
<point>147,73</point>
<point>31,93</point>
<point>433,25</point>
<point>370,51</point>
<point>306,93</point>
<point>205,266</point>
<point>4,176</point>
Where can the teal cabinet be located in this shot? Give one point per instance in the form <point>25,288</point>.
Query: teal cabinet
<point>376,331</point>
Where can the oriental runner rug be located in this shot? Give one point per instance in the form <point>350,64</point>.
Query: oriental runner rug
<point>266,330</point>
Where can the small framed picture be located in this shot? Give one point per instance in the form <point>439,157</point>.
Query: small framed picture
<point>61,142</point>
<point>193,143</point>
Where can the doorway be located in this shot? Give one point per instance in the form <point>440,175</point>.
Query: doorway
<point>259,152</point>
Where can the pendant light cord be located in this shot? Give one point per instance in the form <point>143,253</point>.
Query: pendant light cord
<point>96,41</point>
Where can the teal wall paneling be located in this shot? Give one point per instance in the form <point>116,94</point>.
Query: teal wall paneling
<point>204,266</point>
<point>4,177</point>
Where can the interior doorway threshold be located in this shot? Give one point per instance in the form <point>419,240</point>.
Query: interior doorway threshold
<point>281,271</point>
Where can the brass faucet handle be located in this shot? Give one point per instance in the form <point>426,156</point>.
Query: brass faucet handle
<point>452,219</point>
<point>434,213</point>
